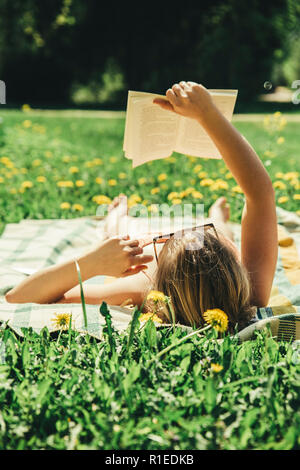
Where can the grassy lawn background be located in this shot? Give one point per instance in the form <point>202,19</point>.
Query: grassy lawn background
<point>48,160</point>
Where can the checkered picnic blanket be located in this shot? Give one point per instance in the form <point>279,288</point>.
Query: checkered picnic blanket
<point>34,244</point>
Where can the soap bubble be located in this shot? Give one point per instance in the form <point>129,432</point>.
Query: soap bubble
<point>268,86</point>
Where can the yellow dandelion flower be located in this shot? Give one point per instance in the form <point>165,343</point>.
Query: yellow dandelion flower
<point>153,208</point>
<point>206,182</point>
<point>295,182</point>
<point>27,123</point>
<point>26,108</point>
<point>280,140</point>
<point>291,175</point>
<point>65,184</point>
<point>9,164</point>
<point>99,180</point>
<point>77,207</point>
<point>269,153</point>
<point>101,199</point>
<point>65,205</point>
<point>296,197</point>
<point>237,189</point>
<point>229,176</point>
<point>279,174</point>
<point>48,154</point>
<point>66,158</point>
<point>197,168</point>
<point>155,190</point>
<point>279,185</point>
<point>267,121</point>
<point>283,199</point>
<point>27,184</point>
<point>150,316</point>
<point>177,183</point>
<point>113,159</point>
<point>36,162</point>
<point>4,160</point>
<point>176,201</point>
<point>217,318</point>
<point>122,175</point>
<point>142,180</point>
<point>216,367</point>
<point>157,296</point>
<point>73,169</point>
<point>189,191</point>
<point>282,123</point>
<point>197,195</point>
<point>219,184</point>
<point>112,182</point>
<point>162,177</point>
<point>61,320</point>
<point>41,179</point>
<point>202,174</point>
<point>173,195</point>
<point>1,179</point>
<point>39,129</point>
<point>133,200</point>
<point>13,191</point>
<point>89,164</point>
<point>97,161</point>
<point>277,114</point>
<point>79,183</point>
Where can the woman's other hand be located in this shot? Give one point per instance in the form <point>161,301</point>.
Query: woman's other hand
<point>119,257</point>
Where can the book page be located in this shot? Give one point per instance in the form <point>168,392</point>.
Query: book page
<point>130,115</point>
<point>192,138</point>
<point>194,141</point>
<point>151,131</point>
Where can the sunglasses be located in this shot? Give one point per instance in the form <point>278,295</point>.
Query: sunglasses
<point>180,233</point>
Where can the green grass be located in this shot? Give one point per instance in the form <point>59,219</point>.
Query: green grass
<point>70,391</point>
<point>51,146</point>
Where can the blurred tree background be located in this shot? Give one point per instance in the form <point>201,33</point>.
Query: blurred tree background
<point>74,52</point>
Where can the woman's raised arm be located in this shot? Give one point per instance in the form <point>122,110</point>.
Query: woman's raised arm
<point>259,224</point>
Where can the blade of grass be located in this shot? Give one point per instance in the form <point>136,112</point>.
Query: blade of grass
<point>82,296</point>
<point>182,340</point>
<point>133,324</point>
<point>109,330</point>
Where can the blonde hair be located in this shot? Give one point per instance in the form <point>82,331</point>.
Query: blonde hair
<point>204,278</point>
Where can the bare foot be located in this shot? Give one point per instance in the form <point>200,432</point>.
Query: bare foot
<point>117,214</point>
<point>220,214</point>
<point>220,210</point>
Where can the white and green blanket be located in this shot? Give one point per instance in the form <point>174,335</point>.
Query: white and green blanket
<point>34,244</point>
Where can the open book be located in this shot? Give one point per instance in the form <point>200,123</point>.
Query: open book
<point>152,132</point>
